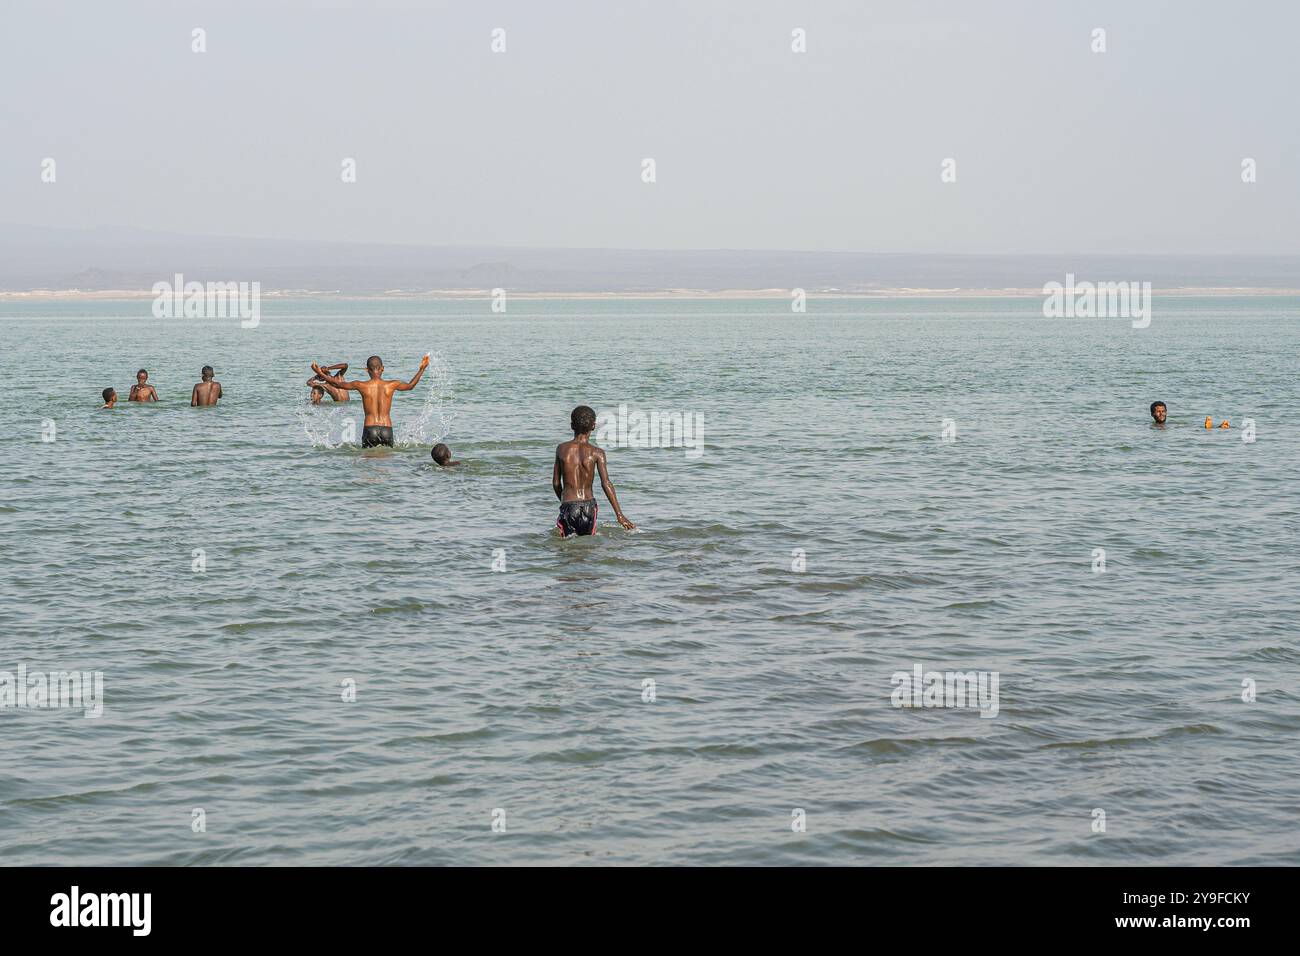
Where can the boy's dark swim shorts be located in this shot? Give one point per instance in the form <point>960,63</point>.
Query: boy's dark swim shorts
<point>577,517</point>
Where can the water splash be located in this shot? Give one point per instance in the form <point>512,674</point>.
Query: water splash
<point>333,425</point>
<point>330,425</point>
<point>433,424</point>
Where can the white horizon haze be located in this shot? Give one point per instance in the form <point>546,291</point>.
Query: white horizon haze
<point>1058,149</point>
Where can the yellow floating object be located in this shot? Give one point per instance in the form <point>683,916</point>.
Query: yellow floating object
<point>1224,424</point>
<point>1209,422</point>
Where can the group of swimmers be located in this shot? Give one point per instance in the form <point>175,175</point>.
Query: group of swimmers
<point>376,400</point>
<point>205,392</point>
<point>577,462</point>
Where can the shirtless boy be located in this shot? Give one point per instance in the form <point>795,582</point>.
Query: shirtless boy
<point>142,391</point>
<point>576,464</point>
<point>207,391</point>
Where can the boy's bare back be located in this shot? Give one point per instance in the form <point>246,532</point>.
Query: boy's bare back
<point>377,399</point>
<point>578,462</point>
<point>205,393</point>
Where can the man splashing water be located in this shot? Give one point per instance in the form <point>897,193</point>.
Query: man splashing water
<point>376,397</point>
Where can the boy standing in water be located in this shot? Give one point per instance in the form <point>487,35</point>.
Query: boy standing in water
<point>207,391</point>
<point>142,391</point>
<point>576,464</point>
<point>110,398</point>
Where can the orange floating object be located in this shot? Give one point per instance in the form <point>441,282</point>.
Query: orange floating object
<point>1209,422</point>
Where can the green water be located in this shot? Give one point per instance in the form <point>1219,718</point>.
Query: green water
<point>526,690</point>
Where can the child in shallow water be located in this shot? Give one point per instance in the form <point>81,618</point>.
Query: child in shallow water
<point>576,464</point>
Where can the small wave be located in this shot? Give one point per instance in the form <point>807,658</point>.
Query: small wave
<point>902,745</point>
<point>1188,730</point>
<point>573,756</point>
<point>453,736</point>
<point>1273,654</point>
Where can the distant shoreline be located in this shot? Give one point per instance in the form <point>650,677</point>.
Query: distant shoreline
<point>469,294</point>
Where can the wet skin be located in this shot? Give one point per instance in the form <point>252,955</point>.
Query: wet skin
<point>205,392</point>
<point>576,465</point>
<point>319,387</point>
<point>142,391</point>
<point>376,392</point>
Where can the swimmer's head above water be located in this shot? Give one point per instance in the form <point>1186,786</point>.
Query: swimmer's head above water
<point>1158,412</point>
<point>110,397</point>
<point>441,454</point>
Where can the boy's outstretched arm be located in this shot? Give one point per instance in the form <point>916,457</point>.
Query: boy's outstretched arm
<point>608,487</point>
<point>415,379</point>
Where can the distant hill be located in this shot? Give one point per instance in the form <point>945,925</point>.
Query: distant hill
<point>39,257</point>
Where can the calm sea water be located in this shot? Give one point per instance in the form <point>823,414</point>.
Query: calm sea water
<point>520,696</point>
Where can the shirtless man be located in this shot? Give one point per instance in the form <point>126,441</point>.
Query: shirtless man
<point>207,391</point>
<point>142,391</point>
<point>576,463</point>
<point>376,398</point>
<point>319,386</point>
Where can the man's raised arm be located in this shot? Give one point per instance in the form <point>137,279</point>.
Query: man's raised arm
<point>415,379</point>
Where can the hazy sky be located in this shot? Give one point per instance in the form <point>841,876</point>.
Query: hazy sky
<point>1058,148</point>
